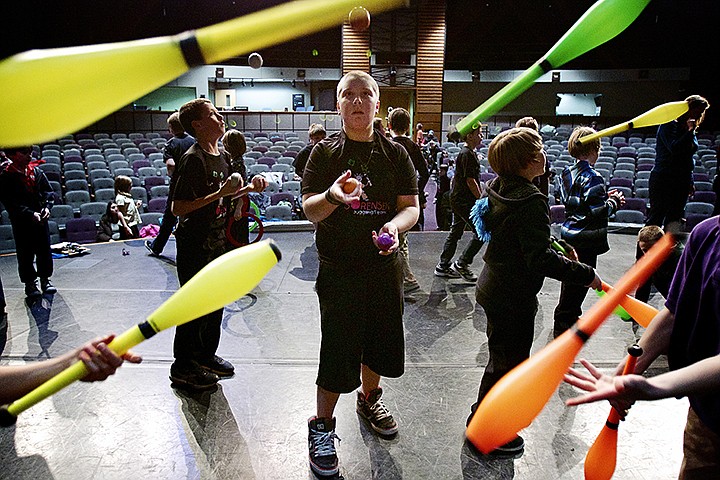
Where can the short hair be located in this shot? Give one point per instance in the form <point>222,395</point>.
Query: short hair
<point>10,151</point>
<point>234,143</point>
<point>419,126</point>
<point>511,151</point>
<point>190,112</point>
<point>696,101</point>
<point>123,183</point>
<point>528,122</point>
<point>399,120</point>
<point>463,136</point>
<point>173,122</point>
<point>316,129</point>
<point>650,234</point>
<point>357,75</point>
<point>579,150</point>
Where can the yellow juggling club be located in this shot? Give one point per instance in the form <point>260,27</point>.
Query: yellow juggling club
<point>518,397</point>
<point>55,92</point>
<point>219,283</point>
<point>655,116</point>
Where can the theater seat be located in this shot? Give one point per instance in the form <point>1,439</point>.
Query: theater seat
<point>81,230</point>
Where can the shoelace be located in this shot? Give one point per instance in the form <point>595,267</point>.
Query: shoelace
<point>323,443</point>
<point>379,410</point>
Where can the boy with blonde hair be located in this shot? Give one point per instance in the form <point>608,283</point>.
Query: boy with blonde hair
<point>359,285</point>
<point>518,258</point>
<point>587,208</point>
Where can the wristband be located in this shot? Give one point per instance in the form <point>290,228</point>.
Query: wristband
<point>330,199</point>
<point>615,204</point>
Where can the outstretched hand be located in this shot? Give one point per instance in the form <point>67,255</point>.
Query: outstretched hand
<point>622,391</point>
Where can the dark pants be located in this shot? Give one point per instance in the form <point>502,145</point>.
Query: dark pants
<point>198,339</point>
<point>701,450</point>
<point>32,246</point>
<point>3,320</point>
<point>572,296</point>
<point>510,335</point>
<point>668,197</point>
<point>358,326</point>
<point>3,304</point>
<point>443,212</point>
<point>166,227</point>
<point>461,221</point>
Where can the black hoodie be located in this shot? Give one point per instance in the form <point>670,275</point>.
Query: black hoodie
<point>519,257</point>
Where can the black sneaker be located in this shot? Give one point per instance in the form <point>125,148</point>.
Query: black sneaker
<point>513,449</point>
<point>149,247</point>
<point>31,290</point>
<point>219,366</point>
<point>372,409</point>
<point>194,378</point>
<point>411,287</point>
<point>445,271</point>
<point>464,272</point>
<point>47,286</point>
<point>321,443</point>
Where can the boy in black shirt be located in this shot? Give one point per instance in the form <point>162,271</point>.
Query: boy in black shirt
<point>202,181</point>
<point>465,190</point>
<point>359,285</point>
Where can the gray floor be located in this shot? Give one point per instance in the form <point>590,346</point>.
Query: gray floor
<point>254,426</point>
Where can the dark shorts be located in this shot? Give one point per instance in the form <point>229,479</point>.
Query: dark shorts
<point>701,448</point>
<point>361,323</point>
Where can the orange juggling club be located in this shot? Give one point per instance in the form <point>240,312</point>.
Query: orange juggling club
<point>602,456</point>
<point>638,310</point>
<point>514,401</point>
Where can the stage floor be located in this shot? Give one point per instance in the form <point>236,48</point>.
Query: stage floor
<point>254,426</point>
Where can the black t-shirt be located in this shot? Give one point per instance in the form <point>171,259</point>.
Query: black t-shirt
<point>201,174</point>
<point>467,166</point>
<point>176,146</point>
<point>385,170</point>
<point>302,158</point>
<point>415,156</point>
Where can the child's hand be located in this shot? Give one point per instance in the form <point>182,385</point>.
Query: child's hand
<point>390,229</point>
<point>596,283</point>
<point>227,188</point>
<point>258,183</point>
<point>618,196</point>
<point>239,209</point>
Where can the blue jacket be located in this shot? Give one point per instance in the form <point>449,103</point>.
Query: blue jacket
<point>587,208</point>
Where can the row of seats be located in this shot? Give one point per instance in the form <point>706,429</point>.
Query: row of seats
<point>636,213</point>
<point>77,230</point>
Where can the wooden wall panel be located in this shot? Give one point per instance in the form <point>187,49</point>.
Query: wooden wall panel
<point>355,49</point>
<point>430,64</point>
